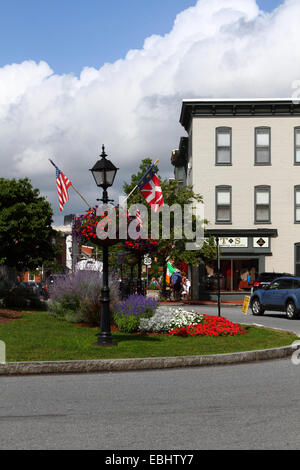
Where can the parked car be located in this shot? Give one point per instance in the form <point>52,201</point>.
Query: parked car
<point>32,285</point>
<point>282,294</point>
<point>49,282</point>
<point>265,279</point>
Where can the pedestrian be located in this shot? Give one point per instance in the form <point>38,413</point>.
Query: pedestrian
<point>186,284</point>
<point>176,283</point>
<point>154,283</point>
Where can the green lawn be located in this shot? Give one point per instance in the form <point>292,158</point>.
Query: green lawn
<point>39,337</point>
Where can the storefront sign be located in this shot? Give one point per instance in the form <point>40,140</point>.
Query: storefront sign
<point>233,242</point>
<point>261,242</point>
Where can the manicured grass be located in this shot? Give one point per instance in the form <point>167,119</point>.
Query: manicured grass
<point>39,337</point>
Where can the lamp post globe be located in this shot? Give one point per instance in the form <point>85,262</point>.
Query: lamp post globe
<point>104,173</point>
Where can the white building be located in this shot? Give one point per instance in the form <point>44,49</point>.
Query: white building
<point>243,156</point>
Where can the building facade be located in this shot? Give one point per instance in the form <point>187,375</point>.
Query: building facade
<point>243,156</point>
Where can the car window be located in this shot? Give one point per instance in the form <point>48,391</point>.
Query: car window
<point>266,277</point>
<point>274,285</point>
<point>285,283</point>
<point>296,284</point>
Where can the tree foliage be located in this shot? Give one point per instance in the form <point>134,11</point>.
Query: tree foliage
<point>25,225</point>
<point>173,194</point>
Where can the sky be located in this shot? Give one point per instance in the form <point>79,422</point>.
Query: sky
<point>78,74</point>
<point>71,34</point>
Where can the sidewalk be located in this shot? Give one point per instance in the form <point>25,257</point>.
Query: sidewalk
<point>203,302</point>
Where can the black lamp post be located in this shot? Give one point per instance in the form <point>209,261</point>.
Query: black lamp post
<point>139,277</point>
<point>218,276</point>
<point>104,173</point>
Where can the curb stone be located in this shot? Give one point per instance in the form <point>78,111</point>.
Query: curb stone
<point>118,365</point>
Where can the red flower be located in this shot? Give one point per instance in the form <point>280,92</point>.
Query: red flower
<point>210,326</point>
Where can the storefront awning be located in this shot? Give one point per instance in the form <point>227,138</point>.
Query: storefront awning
<point>259,232</point>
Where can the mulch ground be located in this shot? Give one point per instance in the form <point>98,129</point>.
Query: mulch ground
<point>7,315</point>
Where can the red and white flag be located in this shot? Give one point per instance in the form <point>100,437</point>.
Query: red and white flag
<point>62,184</point>
<point>150,188</point>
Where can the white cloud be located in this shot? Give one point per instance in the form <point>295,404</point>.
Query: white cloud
<point>218,48</point>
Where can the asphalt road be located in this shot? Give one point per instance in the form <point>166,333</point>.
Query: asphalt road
<point>234,313</point>
<point>246,406</point>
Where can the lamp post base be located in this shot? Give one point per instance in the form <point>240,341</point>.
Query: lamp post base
<point>105,341</point>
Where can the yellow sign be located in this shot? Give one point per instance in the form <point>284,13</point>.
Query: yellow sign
<point>246,304</point>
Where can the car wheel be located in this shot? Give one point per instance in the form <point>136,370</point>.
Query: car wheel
<point>256,307</point>
<point>291,311</point>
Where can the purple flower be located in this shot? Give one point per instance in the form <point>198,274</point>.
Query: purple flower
<point>136,305</point>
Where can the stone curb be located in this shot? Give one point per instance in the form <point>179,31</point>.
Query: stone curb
<point>118,365</point>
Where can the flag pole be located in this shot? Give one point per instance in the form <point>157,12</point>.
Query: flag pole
<point>131,192</point>
<point>79,194</point>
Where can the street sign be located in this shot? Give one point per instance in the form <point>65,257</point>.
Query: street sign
<point>147,261</point>
<point>246,304</point>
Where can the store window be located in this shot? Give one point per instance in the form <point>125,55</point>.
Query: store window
<point>236,275</point>
<point>262,204</point>
<point>262,146</point>
<point>223,146</point>
<point>223,204</point>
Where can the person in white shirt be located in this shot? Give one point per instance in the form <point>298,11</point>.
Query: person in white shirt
<point>186,288</point>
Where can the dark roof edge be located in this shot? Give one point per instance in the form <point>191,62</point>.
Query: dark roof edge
<point>259,232</point>
<point>237,107</point>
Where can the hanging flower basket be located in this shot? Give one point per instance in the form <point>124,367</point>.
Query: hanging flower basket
<point>85,228</point>
<point>142,246</point>
<point>131,260</point>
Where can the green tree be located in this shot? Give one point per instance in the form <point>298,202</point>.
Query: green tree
<point>25,225</point>
<point>173,194</point>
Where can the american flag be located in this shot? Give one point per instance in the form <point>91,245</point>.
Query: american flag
<point>139,218</point>
<point>150,188</point>
<point>62,184</point>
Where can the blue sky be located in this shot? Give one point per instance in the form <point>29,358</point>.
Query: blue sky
<point>218,49</point>
<point>71,34</point>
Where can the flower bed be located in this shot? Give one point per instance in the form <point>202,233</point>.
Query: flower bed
<point>129,313</point>
<point>210,326</point>
<point>179,322</point>
<point>136,305</point>
<point>167,318</point>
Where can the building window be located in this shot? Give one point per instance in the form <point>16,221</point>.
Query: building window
<point>297,204</point>
<point>297,259</point>
<point>31,277</point>
<point>262,146</point>
<point>223,146</point>
<point>223,204</point>
<point>262,205</point>
<point>297,146</point>
<point>180,175</point>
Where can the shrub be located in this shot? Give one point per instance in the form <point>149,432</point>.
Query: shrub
<point>21,297</point>
<point>129,313</point>
<point>60,312</point>
<point>127,323</point>
<point>77,296</point>
<point>136,305</point>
